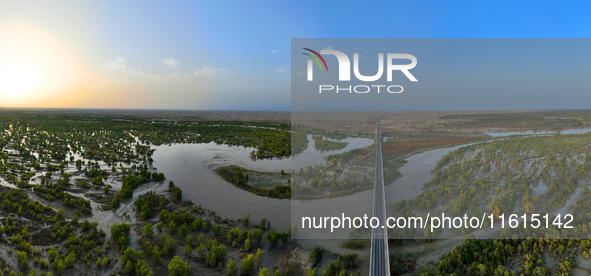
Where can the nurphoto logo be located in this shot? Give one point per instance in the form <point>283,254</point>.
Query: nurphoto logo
<point>345,70</point>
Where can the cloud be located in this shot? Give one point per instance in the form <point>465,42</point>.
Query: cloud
<point>210,72</point>
<point>118,65</point>
<point>281,69</point>
<point>275,51</point>
<point>171,63</point>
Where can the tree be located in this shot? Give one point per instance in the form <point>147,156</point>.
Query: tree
<point>120,234</point>
<point>231,265</point>
<point>85,225</point>
<point>245,219</point>
<point>200,250</point>
<point>177,193</point>
<point>259,256</point>
<point>197,224</point>
<point>115,200</point>
<point>316,255</point>
<point>247,266</point>
<point>129,254</point>
<point>52,254</point>
<point>247,245</point>
<point>263,223</point>
<point>156,255</point>
<point>206,225</point>
<point>217,253</point>
<point>168,244</point>
<point>273,237</point>
<point>284,237</point>
<point>128,267</point>
<point>172,227</point>
<point>148,230</point>
<point>264,272</point>
<point>70,259</point>
<point>23,260</point>
<point>177,267</point>
<point>183,230</point>
<point>211,260</point>
<point>141,268</point>
<point>529,207</point>
<point>107,188</point>
<point>106,261</point>
<point>482,269</point>
<point>59,266</point>
<point>258,235</point>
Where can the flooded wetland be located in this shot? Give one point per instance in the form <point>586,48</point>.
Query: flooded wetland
<point>91,191</point>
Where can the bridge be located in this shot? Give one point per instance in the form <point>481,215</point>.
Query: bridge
<point>380,257</point>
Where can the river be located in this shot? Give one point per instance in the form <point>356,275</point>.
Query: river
<point>191,166</point>
<point>541,132</point>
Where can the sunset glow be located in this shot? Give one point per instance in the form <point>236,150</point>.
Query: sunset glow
<point>17,77</point>
<point>33,66</point>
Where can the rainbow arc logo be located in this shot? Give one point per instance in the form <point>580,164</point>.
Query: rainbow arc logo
<point>315,59</point>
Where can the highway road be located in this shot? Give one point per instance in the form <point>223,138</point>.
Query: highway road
<point>380,257</point>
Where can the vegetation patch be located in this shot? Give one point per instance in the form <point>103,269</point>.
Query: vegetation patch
<point>322,144</point>
<point>356,244</point>
<point>400,265</point>
<point>240,178</point>
<point>545,120</point>
<point>149,204</point>
<point>392,170</point>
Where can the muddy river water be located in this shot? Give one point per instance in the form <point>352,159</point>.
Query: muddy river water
<point>191,166</point>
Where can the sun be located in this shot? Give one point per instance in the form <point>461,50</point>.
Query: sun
<point>35,67</point>
<point>18,77</point>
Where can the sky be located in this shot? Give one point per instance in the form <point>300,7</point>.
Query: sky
<point>223,55</point>
<point>450,74</point>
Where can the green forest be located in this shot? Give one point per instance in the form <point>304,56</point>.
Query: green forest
<point>88,163</point>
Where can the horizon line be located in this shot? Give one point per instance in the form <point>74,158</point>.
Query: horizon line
<point>289,110</point>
